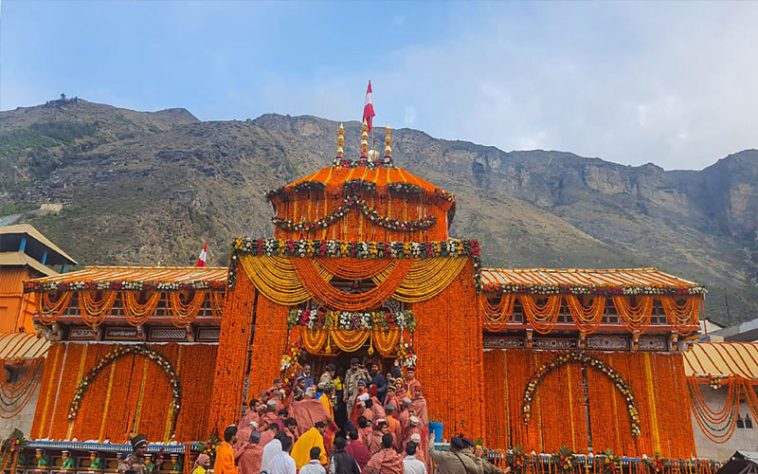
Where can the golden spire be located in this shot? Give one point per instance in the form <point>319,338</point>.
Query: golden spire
<point>364,141</point>
<point>388,143</point>
<point>340,141</point>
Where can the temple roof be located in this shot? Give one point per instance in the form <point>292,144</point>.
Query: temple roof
<point>136,278</point>
<point>38,244</point>
<point>722,359</point>
<point>579,280</point>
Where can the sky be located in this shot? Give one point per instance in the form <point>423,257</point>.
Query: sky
<point>669,83</point>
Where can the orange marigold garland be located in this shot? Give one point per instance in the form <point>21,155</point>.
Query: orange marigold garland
<point>589,361</point>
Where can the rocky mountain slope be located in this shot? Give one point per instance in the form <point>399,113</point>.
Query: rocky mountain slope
<point>148,188</point>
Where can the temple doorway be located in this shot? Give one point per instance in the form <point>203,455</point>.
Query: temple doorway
<point>341,360</point>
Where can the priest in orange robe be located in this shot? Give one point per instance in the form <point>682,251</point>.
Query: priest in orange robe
<point>225,453</point>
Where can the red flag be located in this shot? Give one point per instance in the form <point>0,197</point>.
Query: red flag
<point>368,109</point>
<point>201,260</point>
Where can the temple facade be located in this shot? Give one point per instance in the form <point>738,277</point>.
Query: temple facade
<point>361,264</point>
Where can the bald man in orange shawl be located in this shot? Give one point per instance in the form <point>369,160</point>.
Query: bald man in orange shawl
<point>386,461</point>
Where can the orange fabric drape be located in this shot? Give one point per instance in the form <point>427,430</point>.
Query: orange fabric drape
<point>130,394</point>
<point>337,299</point>
<point>656,380</point>
<point>448,343</point>
<point>234,342</point>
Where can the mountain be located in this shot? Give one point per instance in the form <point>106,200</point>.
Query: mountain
<point>121,186</point>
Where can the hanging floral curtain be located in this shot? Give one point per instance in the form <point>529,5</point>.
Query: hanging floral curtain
<point>94,310</point>
<point>586,318</point>
<point>496,316</point>
<point>541,316</point>
<point>355,268</point>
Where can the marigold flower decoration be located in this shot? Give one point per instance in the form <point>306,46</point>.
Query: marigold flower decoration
<point>291,361</point>
<point>609,462</point>
<point>565,459</point>
<point>657,463</point>
<point>587,361</point>
<point>517,459</point>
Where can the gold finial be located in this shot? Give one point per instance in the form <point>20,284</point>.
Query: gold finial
<point>388,142</point>
<point>340,141</point>
<point>364,140</point>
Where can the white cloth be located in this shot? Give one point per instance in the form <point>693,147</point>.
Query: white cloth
<point>272,449</point>
<point>313,467</point>
<point>411,465</point>
<point>282,463</point>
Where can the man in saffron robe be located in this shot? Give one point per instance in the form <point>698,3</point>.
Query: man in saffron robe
<point>250,456</point>
<point>387,460</point>
<point>394,426</point>
<point>307,413</point>
<point>270,416</point>
<point>243,435</point>
<point>327,391</point>
<point>417,434</point>
<point>364,430</point>
<point>391,398</point>
<point>361,408</point>
<point>250,415</point>
<point>404,416</point>
<point>418,403</point>
<point>225,453</point>
<point>313,438</point>
<point>411,382</point>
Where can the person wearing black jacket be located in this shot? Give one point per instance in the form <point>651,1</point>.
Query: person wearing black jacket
<point>342,463</point>
<point>378,380</point>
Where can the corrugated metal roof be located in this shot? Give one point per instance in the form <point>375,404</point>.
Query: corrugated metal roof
<point>722,359</point>
<point>22,346</point>
<point>496,278</point>
<point>106,274</point>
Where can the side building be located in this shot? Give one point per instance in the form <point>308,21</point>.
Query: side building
<point>24,254</point>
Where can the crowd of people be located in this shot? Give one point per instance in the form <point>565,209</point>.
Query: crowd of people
<point>358,421</point>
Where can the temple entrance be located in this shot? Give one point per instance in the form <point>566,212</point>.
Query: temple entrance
<point>341,360</point>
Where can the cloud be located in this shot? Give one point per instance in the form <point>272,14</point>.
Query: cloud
<point>669,83</point>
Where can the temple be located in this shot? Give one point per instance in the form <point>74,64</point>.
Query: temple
<point>361,264</point>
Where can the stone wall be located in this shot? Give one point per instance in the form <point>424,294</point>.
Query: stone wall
<point>742,438</point>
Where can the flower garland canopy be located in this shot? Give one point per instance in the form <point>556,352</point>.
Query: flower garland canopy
<point>291,272</point>
<point>114,355</point>
<point>587,361</point>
